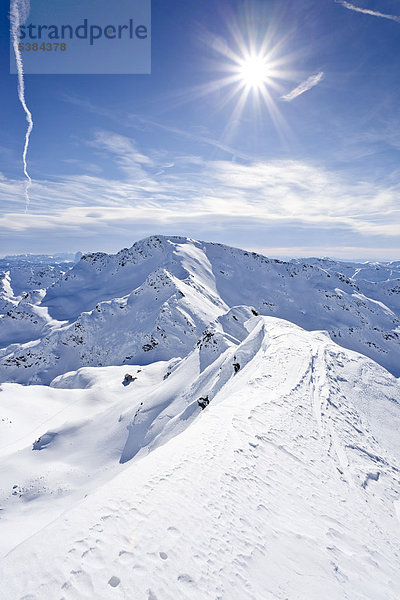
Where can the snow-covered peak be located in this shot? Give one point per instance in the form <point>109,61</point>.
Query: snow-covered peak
<point>154,300</point>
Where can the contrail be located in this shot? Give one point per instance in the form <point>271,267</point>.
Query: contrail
<point>19,10</point>
<point>367,11</point>
<point>304,86</point>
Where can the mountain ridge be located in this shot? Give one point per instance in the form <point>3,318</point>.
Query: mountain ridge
<point>280,443</point>
<point>66,326</point>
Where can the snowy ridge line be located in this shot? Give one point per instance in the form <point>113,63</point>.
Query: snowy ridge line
<point>153,302</point>
<point>254,483</point>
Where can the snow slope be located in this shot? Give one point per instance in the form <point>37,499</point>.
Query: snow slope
<point>286,485</point>
<point>153,301</point>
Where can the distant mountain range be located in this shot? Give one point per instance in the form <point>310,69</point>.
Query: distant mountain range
<point>154,300</point>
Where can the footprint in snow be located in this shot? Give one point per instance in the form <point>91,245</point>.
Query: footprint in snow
<point>185,578</point>
<point>114,581</point>
<point>173,530</point>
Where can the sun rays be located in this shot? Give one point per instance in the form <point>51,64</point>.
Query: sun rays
<point>251,76</point>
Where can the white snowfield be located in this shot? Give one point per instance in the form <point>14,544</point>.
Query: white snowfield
<point>190,445</point>
<point>286,485</point>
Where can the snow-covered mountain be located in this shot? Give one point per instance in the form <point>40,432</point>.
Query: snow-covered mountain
<point>25,273</point>
<point>264,464</point>
<point>153,301</point>
<point>202,423</point>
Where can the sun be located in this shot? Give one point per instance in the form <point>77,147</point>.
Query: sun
<point>253,71</point>
<point>251,75</point>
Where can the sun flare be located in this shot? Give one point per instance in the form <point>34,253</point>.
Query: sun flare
<point>253,71</point>
<point>251,74</point>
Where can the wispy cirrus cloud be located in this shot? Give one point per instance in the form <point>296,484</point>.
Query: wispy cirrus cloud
<point>123,151</point>
<point>195,193</point>
<point>304,86</point>
<point>134,121</point>
<point>367,11</point>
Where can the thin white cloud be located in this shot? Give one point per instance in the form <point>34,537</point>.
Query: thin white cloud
<point>335,252</point>
<point>193,193</point>
<point>367,11</point>
<point>137,122</point>
<point>124,152</point>
<point>304,86</point>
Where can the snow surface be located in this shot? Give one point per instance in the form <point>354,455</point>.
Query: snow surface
<point>285,486</point>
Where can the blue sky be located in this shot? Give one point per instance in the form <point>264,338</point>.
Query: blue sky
<point>314,170</point>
